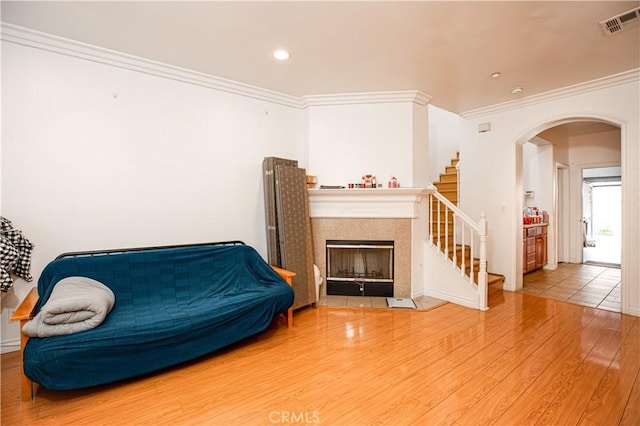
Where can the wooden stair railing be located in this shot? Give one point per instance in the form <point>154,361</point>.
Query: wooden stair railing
<point>459,238</point>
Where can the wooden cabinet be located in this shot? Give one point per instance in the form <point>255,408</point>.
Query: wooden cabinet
<point>534,247</point>
<point>541,251</point>
<point>531,252</point>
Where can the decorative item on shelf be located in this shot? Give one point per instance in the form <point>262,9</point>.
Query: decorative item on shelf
<point>393,183</point>
<point>368,181</point>
<point>533,216</point>
<point>312,181</point>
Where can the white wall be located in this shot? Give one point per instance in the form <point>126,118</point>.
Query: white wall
<point>421,146</point>
<point>95,156</point>
<point>348,141</point>
<point>538,173</point>
<point>490,182</point>
<point>444,140</point>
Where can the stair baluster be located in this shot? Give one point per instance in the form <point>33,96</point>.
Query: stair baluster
<point>455,251</point>
<point>483,276</point>
<point>446,231</point>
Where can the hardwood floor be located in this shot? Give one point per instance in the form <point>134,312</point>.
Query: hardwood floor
<point>527,360</point>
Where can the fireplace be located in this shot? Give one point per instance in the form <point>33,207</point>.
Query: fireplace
<point>376,214</point>
<point>359,267</point>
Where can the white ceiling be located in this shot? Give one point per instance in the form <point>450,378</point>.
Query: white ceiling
<point>445,49</point>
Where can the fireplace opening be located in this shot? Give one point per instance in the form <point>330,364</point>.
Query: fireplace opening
<point>360,268</point>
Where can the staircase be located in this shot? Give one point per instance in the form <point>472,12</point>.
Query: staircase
<point>448,184</point>
<point>459,239</point>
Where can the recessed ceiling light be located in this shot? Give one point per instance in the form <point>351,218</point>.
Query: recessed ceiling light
<point>496,75</point>
<point>517,90</point>
<point>281,55</point>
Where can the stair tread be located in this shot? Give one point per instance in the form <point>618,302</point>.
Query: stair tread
<point>450,178</point>
<point>452,175</point>
<point>494,278</point>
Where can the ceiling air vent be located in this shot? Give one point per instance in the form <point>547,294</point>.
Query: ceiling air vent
<point>621,22</point>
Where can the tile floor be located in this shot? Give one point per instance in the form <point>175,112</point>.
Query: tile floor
<point>422,303</point>
<point>587,285</point>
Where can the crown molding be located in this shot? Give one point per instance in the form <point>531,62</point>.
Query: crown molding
<point>576,89</point>
<point>43,41</point>
<point>414,96</point>
<point>64,46</point>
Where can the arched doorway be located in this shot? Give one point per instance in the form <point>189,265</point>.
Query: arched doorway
<point>550,173</point>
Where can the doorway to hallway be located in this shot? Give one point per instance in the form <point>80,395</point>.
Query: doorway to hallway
<point>578,146</point>
<point>602,216</point>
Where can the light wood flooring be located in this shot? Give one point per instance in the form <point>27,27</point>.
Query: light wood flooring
<point>583,284</point>
<point>527,360</point>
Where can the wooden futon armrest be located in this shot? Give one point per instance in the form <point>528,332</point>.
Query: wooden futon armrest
<point>27,307</point>
<point>287,276</point>
<point>24,313</point>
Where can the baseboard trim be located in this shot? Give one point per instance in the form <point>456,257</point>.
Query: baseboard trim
<point>11,345</point>
<point>467,303</point>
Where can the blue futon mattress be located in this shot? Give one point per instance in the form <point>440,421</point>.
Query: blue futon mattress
<point>172,305</point>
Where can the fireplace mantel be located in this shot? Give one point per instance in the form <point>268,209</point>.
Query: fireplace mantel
<point>366,203</point>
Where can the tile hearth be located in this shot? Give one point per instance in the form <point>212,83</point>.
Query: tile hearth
<point>423,303</point>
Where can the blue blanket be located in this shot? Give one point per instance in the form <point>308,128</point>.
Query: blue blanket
<point>172,305</point>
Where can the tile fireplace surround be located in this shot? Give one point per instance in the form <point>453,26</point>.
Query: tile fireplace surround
<point>398,214</point>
